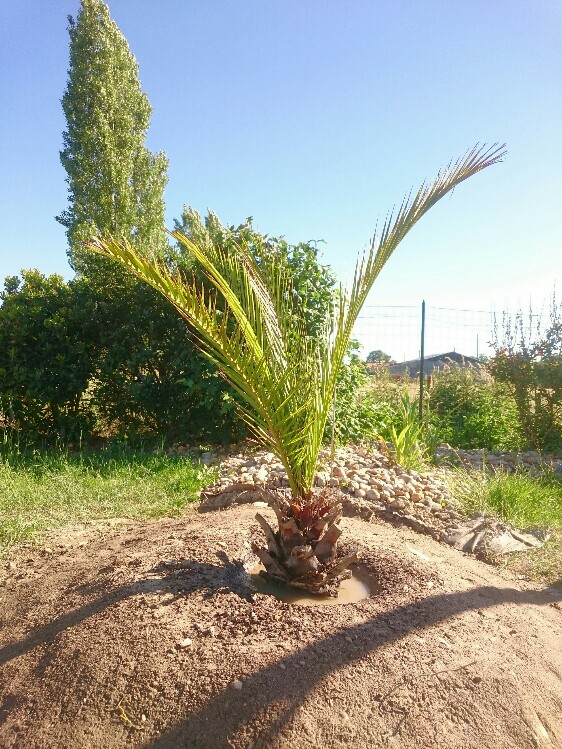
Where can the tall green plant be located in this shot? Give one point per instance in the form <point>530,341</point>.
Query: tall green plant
<point>252,326</point>
<point>48,353</point>
<point>469,409</point>
<point>409,436</point>
<point>114,183</point>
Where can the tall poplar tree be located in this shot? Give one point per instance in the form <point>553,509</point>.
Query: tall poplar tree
<point>115,183</point>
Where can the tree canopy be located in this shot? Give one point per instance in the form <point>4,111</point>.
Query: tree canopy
<point>115,184</point>
<point>378,357</point>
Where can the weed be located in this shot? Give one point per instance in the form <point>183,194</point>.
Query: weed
<point>518,498</point>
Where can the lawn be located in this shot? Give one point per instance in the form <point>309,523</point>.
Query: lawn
<point>42,489</point>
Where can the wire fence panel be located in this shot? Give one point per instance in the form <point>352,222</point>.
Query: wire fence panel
<point>396,330</point>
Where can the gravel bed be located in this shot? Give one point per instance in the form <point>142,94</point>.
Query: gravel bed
<point>371,484</point>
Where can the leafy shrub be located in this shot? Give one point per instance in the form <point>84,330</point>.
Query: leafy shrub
<point>529,362</point>
<point>360,411</point>
<point>108,355</point>
<point>469,409</point>
<point>150,378</point>
<point>48,350</point>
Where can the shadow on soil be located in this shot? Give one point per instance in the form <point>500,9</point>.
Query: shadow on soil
<point>177,577</point>
<point>225,714</point>
<point>274,690</point>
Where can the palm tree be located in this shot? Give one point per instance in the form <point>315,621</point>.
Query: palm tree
<point>248,321</point>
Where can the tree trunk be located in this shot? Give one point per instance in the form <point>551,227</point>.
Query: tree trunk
<point>303,552</point>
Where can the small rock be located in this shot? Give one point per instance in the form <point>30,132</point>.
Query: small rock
<point>237,684</point>
<point>185,643</point>
<point>322,479</point>
<point>261,477</point>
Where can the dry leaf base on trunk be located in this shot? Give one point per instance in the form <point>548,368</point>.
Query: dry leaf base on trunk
<point>303,552</point>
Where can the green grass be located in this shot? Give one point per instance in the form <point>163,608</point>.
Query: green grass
<point>525,502</point>
<point>518,498</point>
<point>51,488</point>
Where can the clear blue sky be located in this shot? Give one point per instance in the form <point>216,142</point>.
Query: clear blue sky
<point>315,117</point>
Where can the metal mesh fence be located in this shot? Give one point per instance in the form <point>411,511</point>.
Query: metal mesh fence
<point>396,330</point>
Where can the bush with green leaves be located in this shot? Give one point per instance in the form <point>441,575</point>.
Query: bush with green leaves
<point>151,380</point>
<point>143,377</point>
<point>528,361</point>
<point>48,352</point>
<point>469,409</point>
<point>313,284</point>
<point>366,405</point>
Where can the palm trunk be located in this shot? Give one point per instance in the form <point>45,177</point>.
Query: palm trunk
<point>303,552</point>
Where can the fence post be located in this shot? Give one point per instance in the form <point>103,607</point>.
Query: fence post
<point>422,357</point>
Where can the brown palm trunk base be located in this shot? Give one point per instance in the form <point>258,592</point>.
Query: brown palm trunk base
<point>303,553</point>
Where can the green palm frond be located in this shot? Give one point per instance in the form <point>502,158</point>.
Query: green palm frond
<point>248,321</point>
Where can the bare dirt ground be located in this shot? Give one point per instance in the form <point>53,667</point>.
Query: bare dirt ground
<point>148,635</point>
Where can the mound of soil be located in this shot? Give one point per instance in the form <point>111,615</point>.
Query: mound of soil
<point>150,635</point>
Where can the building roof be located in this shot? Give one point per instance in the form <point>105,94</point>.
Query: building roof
<point>436,361</point>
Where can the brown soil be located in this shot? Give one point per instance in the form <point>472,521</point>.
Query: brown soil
<point>446,653</point>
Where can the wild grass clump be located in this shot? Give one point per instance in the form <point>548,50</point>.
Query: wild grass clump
<point>524,501</point>
<point>42,489</point>
<point>517,498</point>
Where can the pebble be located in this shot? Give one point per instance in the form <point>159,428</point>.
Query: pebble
<point>185,643</point>
<point>237,684</point>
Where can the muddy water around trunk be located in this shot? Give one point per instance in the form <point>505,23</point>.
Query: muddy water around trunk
<point>350,591</point>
